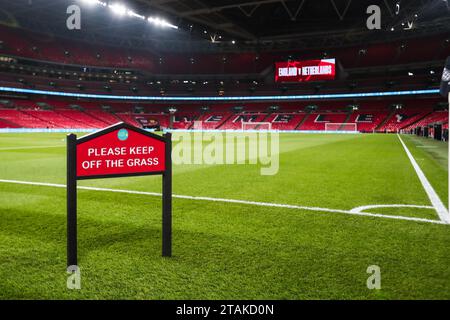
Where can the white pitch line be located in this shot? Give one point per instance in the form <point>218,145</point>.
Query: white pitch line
<point>244,202</point>
<point>432,195</point>
<point>24,148</point>
<point>375,206</point>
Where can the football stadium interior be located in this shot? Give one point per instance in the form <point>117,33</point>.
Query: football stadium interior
<point>349,89</point>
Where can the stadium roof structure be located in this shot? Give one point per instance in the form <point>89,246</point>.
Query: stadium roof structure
<point>229,25</point>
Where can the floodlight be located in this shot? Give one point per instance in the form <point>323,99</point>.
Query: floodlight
<point>135,15</point>
<point>161,22</point>
<point>118,9</point>
<point>90,2</point>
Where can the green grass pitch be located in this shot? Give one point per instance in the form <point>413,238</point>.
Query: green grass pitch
<point>226,250</point>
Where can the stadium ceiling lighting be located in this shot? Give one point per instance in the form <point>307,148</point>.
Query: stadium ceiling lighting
<point>92,2</point>
<point>118,9</point>
<point>161,22</point>
<point>135,15</point>
<point>122,10</point>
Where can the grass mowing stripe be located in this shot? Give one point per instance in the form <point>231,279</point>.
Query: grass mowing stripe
<point>261,204</point>
<point>434,198</point>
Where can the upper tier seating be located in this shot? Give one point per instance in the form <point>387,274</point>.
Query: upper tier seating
<point>44,48</point>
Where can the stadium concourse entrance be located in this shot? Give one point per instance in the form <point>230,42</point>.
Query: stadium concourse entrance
<point>120,150</point>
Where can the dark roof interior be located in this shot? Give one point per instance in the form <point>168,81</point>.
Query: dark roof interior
<point>233,25</point>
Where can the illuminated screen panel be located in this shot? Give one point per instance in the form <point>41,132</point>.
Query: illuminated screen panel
<point>304,71</point>
<point>221,98</point>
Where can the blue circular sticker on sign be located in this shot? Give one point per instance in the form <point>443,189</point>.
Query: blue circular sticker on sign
<point>122,134</point>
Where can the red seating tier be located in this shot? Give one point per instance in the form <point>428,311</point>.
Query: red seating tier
<point>316,121</point>
<point>435,117</point>
<point>8,124</point>
<point>20,43</point>
<point>23,120</point>
<point>286,121</point>
<point>371,115</point>
<point>235,121</point>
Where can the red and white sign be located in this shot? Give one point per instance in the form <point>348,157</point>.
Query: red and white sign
<point>303,71</point>
<point>123,151</point>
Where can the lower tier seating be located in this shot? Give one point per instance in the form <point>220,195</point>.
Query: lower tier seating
<point>369,116</point>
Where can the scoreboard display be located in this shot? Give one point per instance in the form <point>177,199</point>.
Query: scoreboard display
<point>304,71</point>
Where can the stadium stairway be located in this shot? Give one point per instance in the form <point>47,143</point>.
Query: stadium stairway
<point>225,121</point>
<point>106,117</point>
<point>80,119</point>
<point>197,118</point>
<point>23,120</point>
<point>386,120</point>
<point>193,121</point>
<point>211,125</point>
<point>265,119</point>
<point>48,122</point>
<point>434,117</point>
<point>312,122</point>
<point>417,121</point>
<point>8,124</point>
<point>299,125</point>
<point>128,118</point>
<point>349,115</point>
<point>393,126</point>
<point>291,124</point>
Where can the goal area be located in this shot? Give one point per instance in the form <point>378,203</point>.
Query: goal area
<point>344,127</point>
<point>258,126</point>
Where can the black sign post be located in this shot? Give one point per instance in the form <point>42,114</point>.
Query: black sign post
<point>71,200</point>
<point>72,178</point>
<point>167,200</point>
